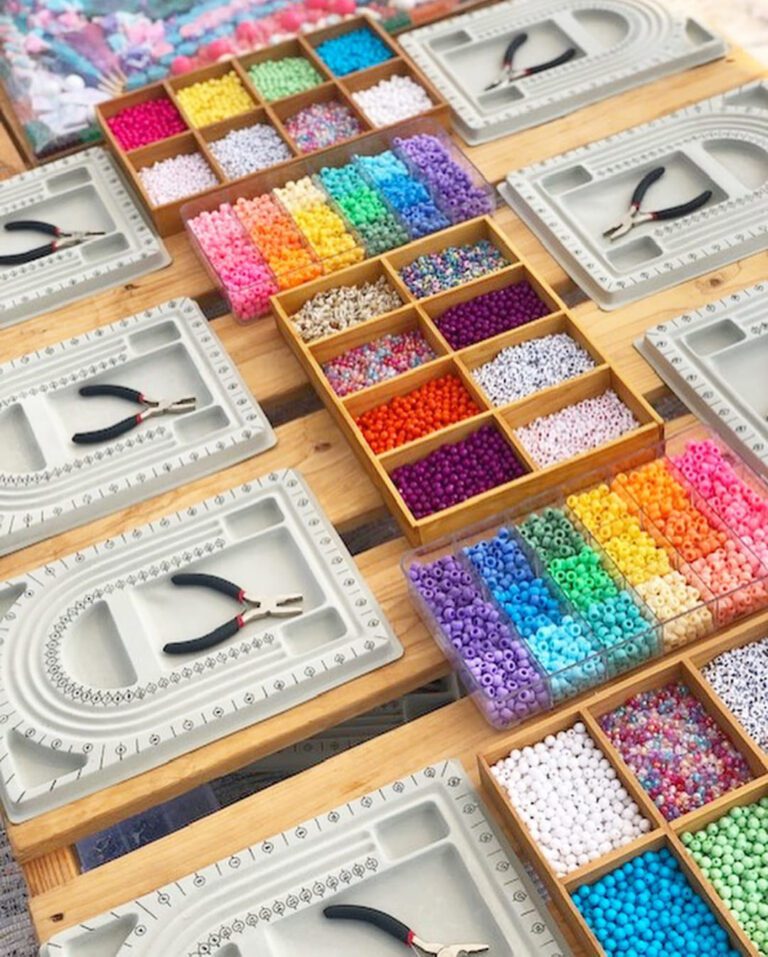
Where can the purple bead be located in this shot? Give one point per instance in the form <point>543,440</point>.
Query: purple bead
<point>491,314</point>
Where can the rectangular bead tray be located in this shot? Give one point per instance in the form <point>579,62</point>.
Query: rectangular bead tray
<point>250,241</point>
<point>556,630</point>
<point>89,696</point>
<point>684,668</point>
<point>423,849</point>
<point>273,112</point>
<point>421,315</point>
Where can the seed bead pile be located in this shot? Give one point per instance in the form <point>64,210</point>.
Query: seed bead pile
<point>209,101</point>
<point>176,177</point>
<point>491,313</point>
<point>646,565</point>
<point>733,854</point>
<point>432,273</point>
<point>240,266</point>
<point>453,473</point>
<point>570,798</point>
<point>715,559</point>
<point>342,307</point>
<point>679,753</point>
<point>275,79</point>
<point>252,148</point>
<point>356,50</point>
<point>458,195</point>
<point>647,907</point>
<point>323,228</point>
<point>409,198</point>
<point>740,678</point>
<point>714,475</point>
<point>147,122</point>
<point>376,361</point>
<point>364,209</point>
<point>477,634</point>
<point>433,406</point>
<point>322,124</point>
<point>535,364</point>
<point>393,100</point>
<point>576,428</point>
<point>279,240</point>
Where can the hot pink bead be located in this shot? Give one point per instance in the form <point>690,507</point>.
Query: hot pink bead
<point>145,123</point>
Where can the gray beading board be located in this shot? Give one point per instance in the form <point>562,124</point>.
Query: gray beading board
<point>84,191</point>
<point>422,848</point>
<point>619,44</point>
<point>88,696</point>
<point>719,144</point>
<point>49,484</point>
<point>716,360</point>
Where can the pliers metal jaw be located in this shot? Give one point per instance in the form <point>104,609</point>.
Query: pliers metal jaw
<point>62,239</point>
<point>635,216</point>
<point>400,931</point>
<point>152,408</point>
<point>509,74</point>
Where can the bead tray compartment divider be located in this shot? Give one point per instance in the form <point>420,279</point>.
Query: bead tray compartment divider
<point>421,314</point>
<point>684,668</point>
<point>250,300</point>
<point>273,112</point>
<point>590,656</point>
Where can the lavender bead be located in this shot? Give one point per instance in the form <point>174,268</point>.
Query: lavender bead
<point>454,473</point>
<point>509,687</point>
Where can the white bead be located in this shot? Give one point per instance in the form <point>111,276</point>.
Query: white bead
<point>390,101</point>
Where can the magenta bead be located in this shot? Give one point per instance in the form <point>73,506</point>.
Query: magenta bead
<point>145,123</point>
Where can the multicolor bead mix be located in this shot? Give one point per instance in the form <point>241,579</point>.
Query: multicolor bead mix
<point>176,177</point>
<point>732,852</point>
<point>535,364</point>
<point>393,100</point>
<point>356,50</point>
<point>576,428</point>
<point>494,658</point>
<point>250,149</point>
<point>570,798</point>
<point>677,750</point>
<point>275,79</point>
<point>433,406</point>
<point>491,313</point>
<point>648,907</point>
<point>376,361</point>
<point>366,206</point>
<point>209,101</point>
<point>740,677</point>
<point>144,123</point>
<point>432,273</point>
<point>455,472</point>
<point>341,307</point>
<point>320,125</point>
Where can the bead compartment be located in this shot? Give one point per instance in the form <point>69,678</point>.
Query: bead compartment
<point>426,313</point>
<point>167,216</point>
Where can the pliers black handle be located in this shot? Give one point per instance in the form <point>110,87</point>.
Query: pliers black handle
<point>508,74</point>
<point>119,428</point>
<point>397,929</point>
<point>223,632</point>
<point>635,216</point>
<point>39,252</point>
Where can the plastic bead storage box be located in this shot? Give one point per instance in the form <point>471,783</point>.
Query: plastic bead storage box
<point>398,349</point>
<point>188,135</point>
<point>313,217</point>
<point>630,564</point>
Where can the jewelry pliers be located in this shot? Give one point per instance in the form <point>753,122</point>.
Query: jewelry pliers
<point>62,240</point>
<point>509,75</point>
<point>635,216</point>
<point>153,407</point>
<point>277,606</point>
<point>395,928</point>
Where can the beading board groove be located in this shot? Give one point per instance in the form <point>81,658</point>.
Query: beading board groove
<point>49,484</point>
<point>422,848</point>
<point>88,697</point>
<point>83,191</point>
<point>716,359</point>
<point>719,144</point>
<point>620,44</point>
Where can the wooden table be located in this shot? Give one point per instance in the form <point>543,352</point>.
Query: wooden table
<point>60,895</point>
